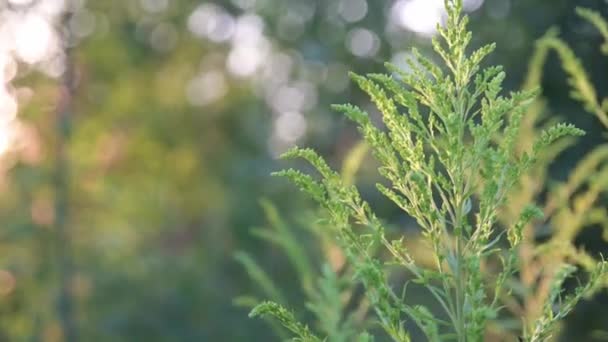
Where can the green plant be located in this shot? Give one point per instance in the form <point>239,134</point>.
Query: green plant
<point>572,205</point>
<point>336,306</point>
<point>451,160</point>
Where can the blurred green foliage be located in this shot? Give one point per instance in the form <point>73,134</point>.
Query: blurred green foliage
<point>165,175</point>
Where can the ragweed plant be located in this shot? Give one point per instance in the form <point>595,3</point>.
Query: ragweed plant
<point>445,168</point>
<point>572,205</point>
<point>337,308</point>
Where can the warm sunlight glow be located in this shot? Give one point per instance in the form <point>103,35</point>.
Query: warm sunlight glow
<point>422,16</point>
<point>28,36</point>
<point>33,38</point>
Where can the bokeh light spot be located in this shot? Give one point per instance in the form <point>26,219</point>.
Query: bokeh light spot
<point>352,11</point>
<point>207,88</point>
<point>20,2</point>
<point>211,22</point>
<point>33,38</point>
<point>422,16</point>
<point>362,42</point>
<point>82,23</point>
<point>290,126</point>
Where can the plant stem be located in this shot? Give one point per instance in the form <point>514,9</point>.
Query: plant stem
<point>460,286</point>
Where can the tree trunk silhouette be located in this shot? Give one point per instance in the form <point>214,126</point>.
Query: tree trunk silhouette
<point>64,256</point>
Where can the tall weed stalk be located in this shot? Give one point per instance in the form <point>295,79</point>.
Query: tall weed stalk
<point>452,160</point>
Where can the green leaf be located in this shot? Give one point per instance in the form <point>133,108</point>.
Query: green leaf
<point>287,319</point>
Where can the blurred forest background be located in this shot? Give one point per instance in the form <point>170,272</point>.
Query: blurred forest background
<point>137,138</point>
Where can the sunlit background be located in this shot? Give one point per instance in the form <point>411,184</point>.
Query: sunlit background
<point>35,36</point>
<point>157,124</point>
